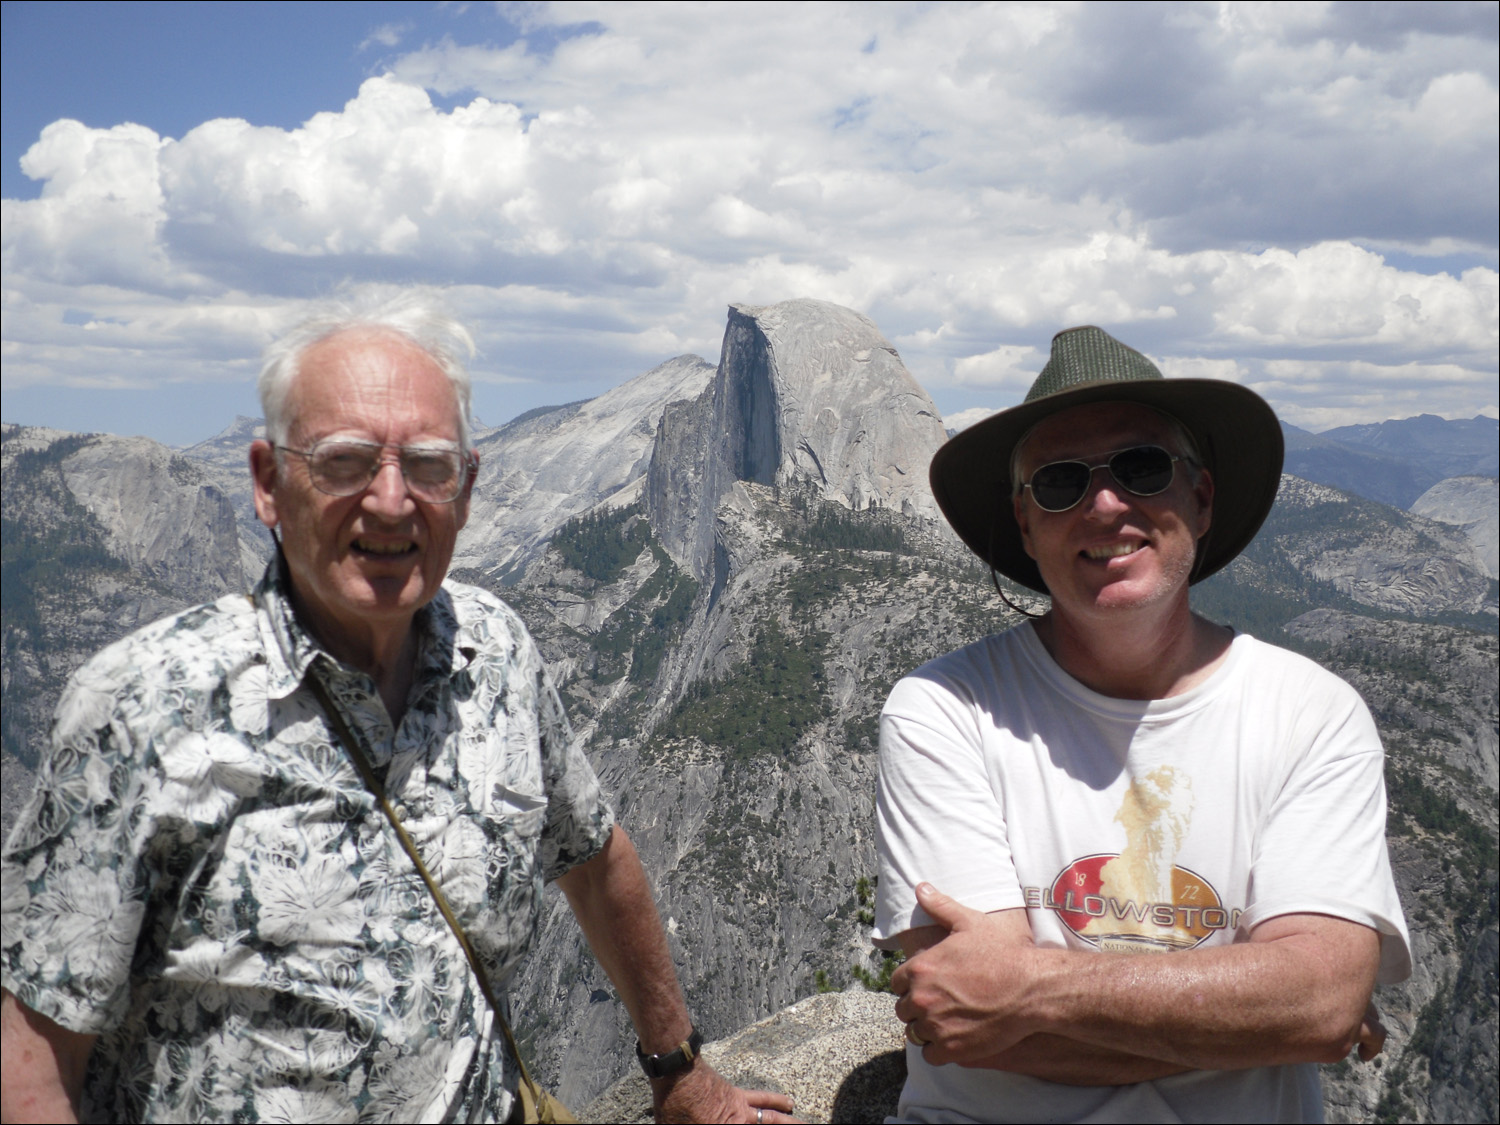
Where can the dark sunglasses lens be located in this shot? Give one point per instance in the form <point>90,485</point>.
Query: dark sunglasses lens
<point>1145,470</point>
<point>1057,487</point>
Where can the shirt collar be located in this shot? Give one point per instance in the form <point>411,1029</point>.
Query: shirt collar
<point>445,646</point>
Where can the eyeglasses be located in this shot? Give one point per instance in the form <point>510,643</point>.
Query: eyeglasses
<point>338,467</point>
<point>1142,470</point>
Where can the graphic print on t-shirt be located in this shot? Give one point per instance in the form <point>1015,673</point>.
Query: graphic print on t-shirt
<point>1140,900</point>
<point>1188,914</point>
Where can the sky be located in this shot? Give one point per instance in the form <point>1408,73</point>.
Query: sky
<point>1297,197</point>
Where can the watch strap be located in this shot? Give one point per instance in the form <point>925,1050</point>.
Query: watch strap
<point>664,1065</point>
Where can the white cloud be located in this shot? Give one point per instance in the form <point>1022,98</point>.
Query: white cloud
<point>1202,367</point>
<point>1318,395</point>
<point>966,418</point>
<point>1339,293</point>
<point>954,171</point>
<point>386,35</point>
<point>1010,365</point>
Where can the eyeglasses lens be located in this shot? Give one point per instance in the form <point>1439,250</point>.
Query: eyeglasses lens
<point>344,468</point>
<point>1143,471</point>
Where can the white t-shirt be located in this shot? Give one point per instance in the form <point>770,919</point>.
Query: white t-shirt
<point>1131,826</point>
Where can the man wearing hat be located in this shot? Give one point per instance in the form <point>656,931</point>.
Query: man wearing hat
<point>1118,779</point>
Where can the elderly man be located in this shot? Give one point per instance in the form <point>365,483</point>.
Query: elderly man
<point>1137,862</point>
<point>209,913</point>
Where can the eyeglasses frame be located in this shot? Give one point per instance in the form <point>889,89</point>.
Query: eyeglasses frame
<point>1105,464</point>
<point>466,465</point>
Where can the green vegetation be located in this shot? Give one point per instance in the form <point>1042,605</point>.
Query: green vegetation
<point>649,622</point>
<point>811,525</point>
<point>764,704</point>
<point>886,961</point>
<point>600,546</point>
<point>1413,802</point>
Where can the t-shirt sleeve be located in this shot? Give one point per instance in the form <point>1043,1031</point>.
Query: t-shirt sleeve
<point>938,818</point>
<point>1321,846</point>
<point>75,868</point>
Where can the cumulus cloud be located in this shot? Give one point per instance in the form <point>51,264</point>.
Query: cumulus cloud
<point>1010,365</point>
<point>1224,186</point>
<point>963,419</point>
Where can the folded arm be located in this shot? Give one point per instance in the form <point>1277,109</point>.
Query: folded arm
<point>41,1065</point>
<point>984,995</point>
<point>1054,1058</point>
<point>612,900</point>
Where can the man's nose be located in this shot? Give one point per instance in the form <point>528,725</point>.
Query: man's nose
<point>1106,497</point>
<point>387,494</point>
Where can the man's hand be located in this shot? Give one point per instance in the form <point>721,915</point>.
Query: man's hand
<point>702,1094</point>
<point>962,994</point>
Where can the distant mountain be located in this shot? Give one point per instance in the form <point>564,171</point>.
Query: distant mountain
<point>1375,475</point>
<point>806,393</point>
<point>1468,447</point>
<point>225,459</point>
<point>1471,504</point>
<point>547,466</point>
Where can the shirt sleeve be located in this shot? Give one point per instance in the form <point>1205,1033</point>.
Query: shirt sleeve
<point>579,817</point>
<point>75,868</point>
<point>938,818</point>
<point>1321,845</point>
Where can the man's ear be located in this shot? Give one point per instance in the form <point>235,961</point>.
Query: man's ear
<point>263,480</point>
<point>1023,521</point>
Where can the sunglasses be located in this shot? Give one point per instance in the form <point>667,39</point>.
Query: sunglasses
<point>1142,470</point>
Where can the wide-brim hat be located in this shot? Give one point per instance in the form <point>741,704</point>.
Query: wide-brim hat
<point>1237,434</point>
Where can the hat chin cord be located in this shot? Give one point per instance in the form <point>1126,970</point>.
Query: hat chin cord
<point>995,578</point>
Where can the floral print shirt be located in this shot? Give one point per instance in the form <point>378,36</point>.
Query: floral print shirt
<point>202,879</point>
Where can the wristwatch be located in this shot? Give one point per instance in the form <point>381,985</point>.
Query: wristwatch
<point>661,1066</point>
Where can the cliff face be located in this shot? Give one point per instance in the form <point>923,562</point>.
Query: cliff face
<point>807,393</point>
<point>160,514</point>
<point>543,469</point>
<point>1471,504</point>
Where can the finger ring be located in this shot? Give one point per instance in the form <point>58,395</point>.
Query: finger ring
<point>760,1114</point>
<point>913,1037</point>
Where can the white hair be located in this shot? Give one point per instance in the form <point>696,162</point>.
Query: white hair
<point>1178,435</point>
<point>418,315</point>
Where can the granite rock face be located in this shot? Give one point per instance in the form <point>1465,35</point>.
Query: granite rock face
<point>548,466</point>
<point>160,514</point>
<point>1471,504</point>
<point>225,461</point>
<point>806,393</point>
<point>839,1056</point>
<point>1376,555</point>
